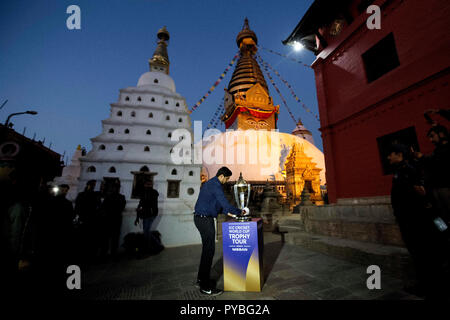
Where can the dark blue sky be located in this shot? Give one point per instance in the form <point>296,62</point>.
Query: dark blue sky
<point>71,76</point>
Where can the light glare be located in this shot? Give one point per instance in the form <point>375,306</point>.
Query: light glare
<point>297,46</point>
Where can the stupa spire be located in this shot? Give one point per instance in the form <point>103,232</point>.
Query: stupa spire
<point>160,60</point>
<point>248,104</point>
<point>247,72</point>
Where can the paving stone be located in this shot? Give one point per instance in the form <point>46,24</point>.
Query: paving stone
<point>291,273</point>
<point>332,293</point>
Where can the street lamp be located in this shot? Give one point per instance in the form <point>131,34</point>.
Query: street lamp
<point>297,46</point>
<point>17,113</point>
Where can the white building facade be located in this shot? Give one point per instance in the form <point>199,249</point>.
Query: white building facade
<point>136,145</point>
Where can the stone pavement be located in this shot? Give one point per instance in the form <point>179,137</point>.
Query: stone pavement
<point>291,272</point>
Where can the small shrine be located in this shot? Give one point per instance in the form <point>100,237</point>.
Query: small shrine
<point>302,176</point>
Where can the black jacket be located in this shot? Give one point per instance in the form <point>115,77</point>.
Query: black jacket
<point>112,206</point>
<point>405,200</point>
<point>148,204</point>
<point>87,205</point>
<point>437,167</point>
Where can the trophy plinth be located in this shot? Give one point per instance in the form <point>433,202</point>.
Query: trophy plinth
<point>242,196</point>
<point>243,218</point>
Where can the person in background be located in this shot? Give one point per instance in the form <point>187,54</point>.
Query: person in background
<point>420,235</point>
<point>87,205</point>
<point>436,167</point>
<point>147,211</point>
<point>111,216</point>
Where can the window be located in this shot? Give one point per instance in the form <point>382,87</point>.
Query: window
<point>173,188</point>
<point>119,113</point>
<point>133,114</point>
<point>127,98</point>
<point>381,58</point>
<point>177,104</point>
<point>167,102</point>
<point>102,147</point>
<point>111,130</point>
<point>167,118</point>
<point>127,131</point>
<point>174,172</point>
<point>147,149</point>
<point>120,148</point>
<point>91,169</point>
<point>180,120</point>
<point>140,178</point>
<point>190,191</point>
<point>150,115</point>
<point>139,99</point>
<point>169,135</point>
<point>155,81</point>
<point>191,173</point>
<point>406,137</point>
<point>112,170</point>
<point>153,99</point>
<point>148,132</point>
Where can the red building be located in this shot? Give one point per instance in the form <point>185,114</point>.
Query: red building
<point>373,86</point>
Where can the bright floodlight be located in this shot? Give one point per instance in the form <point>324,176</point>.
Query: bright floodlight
<point>297,46</point>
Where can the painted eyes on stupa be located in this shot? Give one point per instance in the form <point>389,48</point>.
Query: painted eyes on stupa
<point>262,124</point>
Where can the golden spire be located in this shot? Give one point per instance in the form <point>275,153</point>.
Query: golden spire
<point>247,72</point>
<point>160,60</point>
<point>248,104</point>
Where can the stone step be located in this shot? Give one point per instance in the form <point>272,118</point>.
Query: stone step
<point>290,223</point>
<point>395,260</point>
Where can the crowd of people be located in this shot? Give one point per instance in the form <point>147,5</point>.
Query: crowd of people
<point>43,235</point>
<point>420,200</point>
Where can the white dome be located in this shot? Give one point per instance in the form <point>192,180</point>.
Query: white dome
<point>268,150</point>
<point>156,79</point>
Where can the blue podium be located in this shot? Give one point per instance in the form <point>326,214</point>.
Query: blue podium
<point>243,255</point>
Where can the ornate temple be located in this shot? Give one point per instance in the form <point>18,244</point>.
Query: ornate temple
<point>136,146</point>
<point>248,104</point>
<point>285,162</point>
<point>302,176</point>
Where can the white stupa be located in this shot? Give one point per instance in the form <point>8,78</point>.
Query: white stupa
<point>136,145</point>
<point>301,132</point>
<point>70,175</point>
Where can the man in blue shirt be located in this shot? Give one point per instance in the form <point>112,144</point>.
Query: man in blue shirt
<point>210,202</point>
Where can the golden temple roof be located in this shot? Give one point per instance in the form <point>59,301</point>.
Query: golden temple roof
<point>247,72</point>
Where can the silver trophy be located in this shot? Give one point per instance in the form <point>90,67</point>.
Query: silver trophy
<point>242,196</point>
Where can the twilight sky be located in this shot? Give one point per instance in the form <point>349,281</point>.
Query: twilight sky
<point>71,76</point>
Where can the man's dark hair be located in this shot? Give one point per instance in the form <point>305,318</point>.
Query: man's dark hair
<point>438,129</point>
<point>225,171</point>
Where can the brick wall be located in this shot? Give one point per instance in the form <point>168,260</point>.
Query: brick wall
<point>354,112</point>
